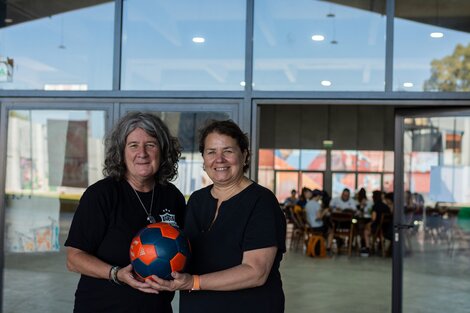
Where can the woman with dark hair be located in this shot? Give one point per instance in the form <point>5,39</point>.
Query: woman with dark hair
<point>378,209</point>
<point>141,159</point>
<point>237,233</point>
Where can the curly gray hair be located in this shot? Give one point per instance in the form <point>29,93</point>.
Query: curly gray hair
<point>115,142</point>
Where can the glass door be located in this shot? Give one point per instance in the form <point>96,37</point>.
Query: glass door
<point>431,248</point>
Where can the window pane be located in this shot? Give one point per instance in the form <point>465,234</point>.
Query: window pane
<point>266,159</point>
<point>183,45</point>
<point>370,161</point>
<point>319,45</point>
<point>287,159</point>
<point>343,160</point>
<point>389,161</point>
<point>341,181</point>
<point>388,183</point>
<point>369,182</point>
<point>65,45</point>
<point>285,182</point>
<point>52,156</point>
<point>185,126</point>
<point>430,45</point>
<point>314,160</point>
<point>312,180</point>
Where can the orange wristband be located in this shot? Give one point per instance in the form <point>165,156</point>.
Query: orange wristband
<point>196,285</point>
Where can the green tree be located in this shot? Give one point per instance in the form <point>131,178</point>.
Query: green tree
<point>451,73</point>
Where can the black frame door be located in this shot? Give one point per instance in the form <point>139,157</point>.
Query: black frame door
<point>399,219</point>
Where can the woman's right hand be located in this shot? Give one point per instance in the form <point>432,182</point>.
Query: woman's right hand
<point>126,275</point>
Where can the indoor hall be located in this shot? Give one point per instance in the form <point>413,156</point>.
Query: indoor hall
<point>333,94</point>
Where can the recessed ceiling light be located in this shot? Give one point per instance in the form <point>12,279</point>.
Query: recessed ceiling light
<point>8,20</point>
<point>325,83</point>
<point>199,39</point>
<point>436,35</point>
<point>242,83</point>
<point>408,85</point>
<point>318,37</point>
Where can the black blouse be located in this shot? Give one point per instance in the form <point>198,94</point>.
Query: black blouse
<point>250,220</point>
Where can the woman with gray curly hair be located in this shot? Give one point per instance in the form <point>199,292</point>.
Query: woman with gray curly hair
<point>141,160</point>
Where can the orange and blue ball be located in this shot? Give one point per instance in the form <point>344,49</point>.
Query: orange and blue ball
<point>159,249</point>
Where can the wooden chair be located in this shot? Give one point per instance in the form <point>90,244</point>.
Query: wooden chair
<point>299,232</point>
<point>379,235</point>
<point>343,228</point>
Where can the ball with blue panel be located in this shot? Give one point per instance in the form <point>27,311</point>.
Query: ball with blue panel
<point>159,249</point>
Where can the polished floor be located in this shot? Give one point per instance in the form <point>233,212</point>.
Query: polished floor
<point>436,279</point>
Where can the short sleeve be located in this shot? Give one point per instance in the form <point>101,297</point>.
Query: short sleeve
<point>266,226</point>
<point>89,223</point>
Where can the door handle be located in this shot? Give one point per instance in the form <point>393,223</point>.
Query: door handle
<point>404,226</point>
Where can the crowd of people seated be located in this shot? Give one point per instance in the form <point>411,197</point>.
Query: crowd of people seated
<point>315,208</point>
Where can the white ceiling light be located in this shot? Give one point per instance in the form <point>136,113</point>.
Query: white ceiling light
<point>318,37</point>
<point>325,83</point>
<point>408,85</point>
<point>436,35</point>
<point>199,39</point>
<point>242,83</point>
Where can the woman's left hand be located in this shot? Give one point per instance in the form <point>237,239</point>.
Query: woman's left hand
<point>181,281</point>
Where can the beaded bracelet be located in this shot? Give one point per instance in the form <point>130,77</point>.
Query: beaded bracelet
<point>113,275</point>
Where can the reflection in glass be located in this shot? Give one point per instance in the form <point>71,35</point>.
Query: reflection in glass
<point>319,45</point>
<point>285,182</point>
<point>343,160</point>
<point>287,159</point>
<point>387,183</point>
<point>52,156</point>
<point>72,45</point>
<point>430,44</point>
<point>341,181</point>
<point>313,160</point>
<point>370,161</point>
<point>436,202</point>
<point>369,182</point>
<point>183,45</point>
<point>312,180</point>
<point>389,161</point>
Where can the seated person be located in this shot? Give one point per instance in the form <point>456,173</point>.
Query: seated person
<point>315,216</point>
<point>292,200</point>
<point>364,205</point>
<point>378,209</point>
<point>344,202</point>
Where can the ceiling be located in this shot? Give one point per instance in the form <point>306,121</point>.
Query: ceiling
<point>452,14</point>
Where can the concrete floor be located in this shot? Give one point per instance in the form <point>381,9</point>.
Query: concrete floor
<point>435,280</point>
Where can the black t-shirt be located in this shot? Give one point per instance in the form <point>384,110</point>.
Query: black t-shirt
<point>379,208</point>
<point>108,216</point>
<point>250,220</point>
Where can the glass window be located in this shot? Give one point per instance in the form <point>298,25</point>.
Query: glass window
<point>430,46</point>
<point>266,168</point>
<point>52,156</point>
<point>313,160</point>
<point>370,161</point>
<point>389,161</point>
<point>387,183</point>
<point>319,45</point>
<point>312,180</point>
<point>57,46</point>
<point>369,182</point>
<point>285,182</point>
<point>343,160</point>
<point>287,159</point>
<point>183,45</point>
<point>341,181</point>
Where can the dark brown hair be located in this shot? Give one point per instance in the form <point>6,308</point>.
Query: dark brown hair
<point>228,128</point>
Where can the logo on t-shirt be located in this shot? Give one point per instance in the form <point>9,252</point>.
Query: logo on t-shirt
<point>166,217</point>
